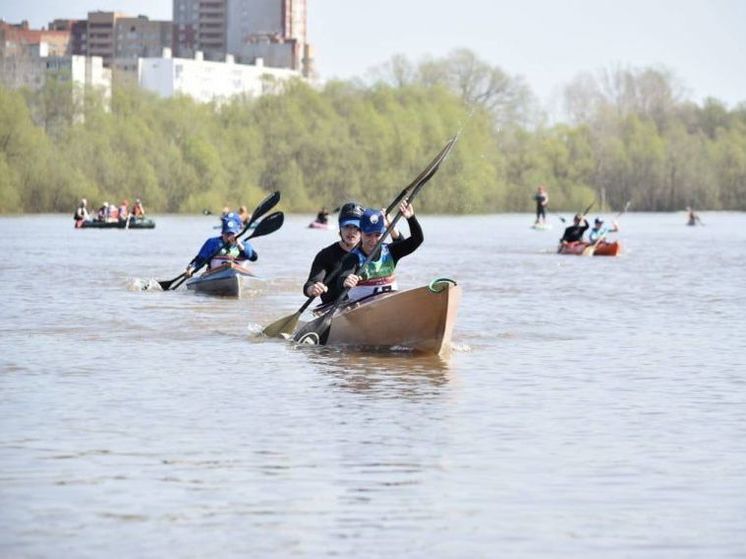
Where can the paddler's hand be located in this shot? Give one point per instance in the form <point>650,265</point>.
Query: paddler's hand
<point>316,289</point>
<point>189,271</point>
<point>387,221</point>
<point>351,281</point>
<point>406,209</point>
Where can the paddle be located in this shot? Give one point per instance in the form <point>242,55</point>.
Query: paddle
<point>264,206</point>
<point>287,324</point>
<point>268,225</point>
<point>319,327</point>
<point>591,248</point>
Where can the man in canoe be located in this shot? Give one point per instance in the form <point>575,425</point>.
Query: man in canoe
<point>599,231</point>
<point>328,259</point>
<point>226,244</point>
<point>574,232</point>
<point>378,275</point>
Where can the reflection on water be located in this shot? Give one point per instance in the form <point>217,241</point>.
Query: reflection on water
<point>591,407</point>
<point>383,373</point>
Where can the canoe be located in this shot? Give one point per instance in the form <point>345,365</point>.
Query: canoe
<point>223,280</point>
<point>134,223</point>
<point>419,320</point>
<point>318,225</point>
<point>602,248</point>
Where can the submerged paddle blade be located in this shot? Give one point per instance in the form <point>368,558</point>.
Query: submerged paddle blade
<point>317,330</point>
<point>166,285</point>
<point>285,325</point>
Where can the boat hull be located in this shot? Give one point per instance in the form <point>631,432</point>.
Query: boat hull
<point>318,225</point>
<point>602,248</point>
<point>223,281</point>
<point>133,224</point>
<point>420,320</point>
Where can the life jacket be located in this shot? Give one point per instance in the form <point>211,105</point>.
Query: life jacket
<point>226,255</point>
<point>377,275</point>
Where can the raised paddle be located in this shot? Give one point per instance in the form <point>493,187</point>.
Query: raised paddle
<point>268,225</point>
<point>286,324</point>
<point>591,248</point>
<point>317,329</point>
<point>264,206</point>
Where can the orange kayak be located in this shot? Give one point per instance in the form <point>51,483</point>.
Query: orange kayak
<point>602,248</point>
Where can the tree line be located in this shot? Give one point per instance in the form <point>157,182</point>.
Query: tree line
<point>630,134</point>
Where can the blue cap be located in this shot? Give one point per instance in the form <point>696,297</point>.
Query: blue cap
<point>231,223</point>
<point>372,221</point>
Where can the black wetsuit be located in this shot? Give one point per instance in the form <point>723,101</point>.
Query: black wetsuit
<point>326,261</point>
<point>574,233</point>
<point>398,249</point>
<point>540,207</point>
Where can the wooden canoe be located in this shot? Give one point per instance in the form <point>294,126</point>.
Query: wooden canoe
<point>420,320</point>
<point>223,280</point>
<point>602,248</point>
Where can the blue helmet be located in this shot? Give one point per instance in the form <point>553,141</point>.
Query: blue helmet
<point>231,223</point>
<point>372,221</point>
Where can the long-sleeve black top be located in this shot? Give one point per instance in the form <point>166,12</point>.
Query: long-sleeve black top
<point>327,261</point>
<point>574,233</point>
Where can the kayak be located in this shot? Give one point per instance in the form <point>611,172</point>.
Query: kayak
<point>223,280</point>
<point>134,223</point>
<point>419,320</point>
<point>602,248</point>
<point>318,225</point>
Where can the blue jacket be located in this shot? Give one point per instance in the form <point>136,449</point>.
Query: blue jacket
<point>215,244</point>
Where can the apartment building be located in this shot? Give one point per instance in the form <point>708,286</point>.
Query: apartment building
<point>200,25</point>
<point>207,80</point>
<point>274,31</point>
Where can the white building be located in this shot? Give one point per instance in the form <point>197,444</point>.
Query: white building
<point>32,65</point>
<point>205,80</point>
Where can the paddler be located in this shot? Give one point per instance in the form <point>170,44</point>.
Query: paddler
<point>599,231</point>
<point>226,244</point>
<point>377,276</point>
<point>574,232</point>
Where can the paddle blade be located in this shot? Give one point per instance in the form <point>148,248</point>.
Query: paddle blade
<point>166,285</point>
<point>264,206</point>
<point>285,325</point>
<point>268,225</point>
<point>589,250</point>
<point>315,331</point>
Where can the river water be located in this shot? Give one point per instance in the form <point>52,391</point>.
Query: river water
<point>591,407</point>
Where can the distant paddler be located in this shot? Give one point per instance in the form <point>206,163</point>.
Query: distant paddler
<point>81,213</point>
<point>693,218</point>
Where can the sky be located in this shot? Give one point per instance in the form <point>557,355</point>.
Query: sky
<point>547,42</point>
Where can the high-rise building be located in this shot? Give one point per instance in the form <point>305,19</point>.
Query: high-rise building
<point>271,31</point>
<point>199,25</point>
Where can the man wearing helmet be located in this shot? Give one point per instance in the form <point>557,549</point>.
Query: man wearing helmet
<point>328,259</point>
<point>225,244</point>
